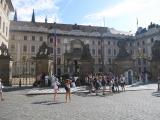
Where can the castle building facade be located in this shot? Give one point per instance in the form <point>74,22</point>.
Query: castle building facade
<point>67,39</point>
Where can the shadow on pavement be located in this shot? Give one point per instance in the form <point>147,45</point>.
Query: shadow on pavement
<point>48,103</point>
<point>94,94</point>
<point>156,94</point>
<point>11,89</point>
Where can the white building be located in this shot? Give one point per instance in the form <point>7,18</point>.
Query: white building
<point>5,8</point>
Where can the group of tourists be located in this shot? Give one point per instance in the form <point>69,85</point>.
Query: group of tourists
<point>99,82</point>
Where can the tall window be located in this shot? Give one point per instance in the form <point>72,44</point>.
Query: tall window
<point>93,51</point>
<point>33,38</point>
<point>139,61</point>
<point>12,37</point>
<point>115,52</point>
<point>51,40</point>
<point>93,42</point>
<point>6,31</point>
<point>25,37</point>
<point>12,47</point>
<point>58,50</point>
<point>0,21</point>
<point>99,51</point>
<point>109,42</point>
<point>144,51</point>
<point>3,27</point>
<point>32,48</point>
<point>99,42</point>
<point>152,40</point>
<point>58,61</point>
<point>143,42</point>
<point>41,38</point>
<point>24,48</point>
<point>109,51</point>
<point>109,60</point>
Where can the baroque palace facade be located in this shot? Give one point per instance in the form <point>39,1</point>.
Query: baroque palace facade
<point>26,38</point>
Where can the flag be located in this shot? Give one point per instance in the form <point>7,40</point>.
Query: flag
<point>137,22</point>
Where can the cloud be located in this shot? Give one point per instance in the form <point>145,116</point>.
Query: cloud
<point>127,11</point>
<point>42,9</point>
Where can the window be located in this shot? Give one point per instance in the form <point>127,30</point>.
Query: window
<point>93,42</point>
<point>99,60</point>
<point>109,51</point>
<point>24,48</point>
<point>137,43</point>
<point>0,21</point>
<point>25,37</point>
<point>109,42</point>
<point>41,38</point>
<point>93,51</point>
<point>143,42</point>
<point>152,40</point>
<point>109,60</point>
<point>58,51</point>
<point>139,61</point>
<point>12,47</point>
<point>6,31</point>
<point>3,27</point>
<point>51,40</point>
<point>99,51</point>
<point>144,51</point>
<point>115,52</point>
<point>33,38</point>
<point>58,41</point>
<point>58,61</point>
<point>144,61</point>
<point>130,44</point>
<point>12,37</point>
<point>99,42</point>
<point>32,48</point>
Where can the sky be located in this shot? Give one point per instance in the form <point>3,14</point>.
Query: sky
<point>121,15</point>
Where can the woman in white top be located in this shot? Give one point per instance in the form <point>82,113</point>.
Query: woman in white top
<point>55,84</point>
<point>1,93</point>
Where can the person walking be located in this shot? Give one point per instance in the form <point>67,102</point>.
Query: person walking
<point>68,89</point>
<point>1,92</point>
<point>104,84</point>
<point>55,83</point>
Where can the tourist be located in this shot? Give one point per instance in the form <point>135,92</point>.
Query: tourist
<point>104,84</point>
<point>1,92</point>
<point>46,80</point>
<point>122,82</point>
<point>55,83</point>
<point>68,89</point>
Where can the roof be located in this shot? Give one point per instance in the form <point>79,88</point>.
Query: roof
<point>64,29</point>
<point>10,5</point>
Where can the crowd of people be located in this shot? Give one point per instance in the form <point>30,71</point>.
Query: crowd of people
<point>99,82</point>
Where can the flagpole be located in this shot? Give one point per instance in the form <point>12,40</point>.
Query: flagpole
<point>137,23</point>
<point>55,52</point>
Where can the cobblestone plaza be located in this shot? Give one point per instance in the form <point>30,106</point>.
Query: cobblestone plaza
<point>129,105</point>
